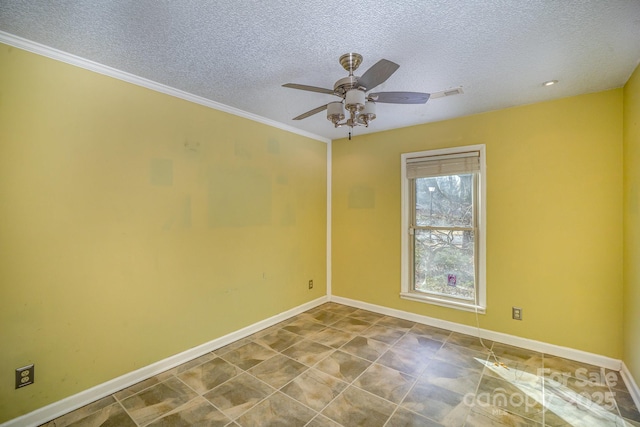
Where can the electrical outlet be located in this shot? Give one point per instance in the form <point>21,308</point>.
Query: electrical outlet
<point>310,284</point>
<point>24,376</point>
<point>516,313</point>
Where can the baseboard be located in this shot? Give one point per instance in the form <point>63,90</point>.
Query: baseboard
<point>61,407</point>
<point>542,347</point>
<point>634,390</point>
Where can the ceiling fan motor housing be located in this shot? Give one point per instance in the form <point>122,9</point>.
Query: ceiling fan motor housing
<point>342,86</point>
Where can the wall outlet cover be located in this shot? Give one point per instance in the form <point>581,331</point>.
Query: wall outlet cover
<point>516,313</point>
<point>25,376</point>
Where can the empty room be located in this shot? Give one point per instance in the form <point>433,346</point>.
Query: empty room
<point>408,213</point>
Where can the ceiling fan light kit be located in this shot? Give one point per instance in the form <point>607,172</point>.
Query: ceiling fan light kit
<point>335,112</point>
<point>361,107</point>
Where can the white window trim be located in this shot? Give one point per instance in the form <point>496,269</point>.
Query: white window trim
<point>405,282</point>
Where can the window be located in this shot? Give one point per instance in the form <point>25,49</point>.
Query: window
<point>443,227</point>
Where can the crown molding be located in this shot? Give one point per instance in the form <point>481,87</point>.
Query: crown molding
<point>59,55</point>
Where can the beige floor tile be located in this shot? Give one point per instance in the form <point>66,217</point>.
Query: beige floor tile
<point>394,322</point>
<point>111,415</point>
<point>355,407</point>
<point>558,366</point>
<point>343,366</point>
<point>210,374</point>
<point>326,317</point>
<point>314,388</point>
<point>158,400</point>
<point>419,343</point>
<point>366,316</point>
<point>339,308</point>
<point>308,352</point>
<point>524,400</point>
<point>249,355</point>
<point>432,332</point>
<point>332,337</point>
<point>304,327</point>
<point>506,353</point>
<point>83,413</point>
<point>348,324</point>
<point>435,403</point>
<point>192,364</point>
<point>197,412</point>
<point>469,342</point>
<point>277,410</point>
<point>322,421</point>
<point>278,370</point>
<point>239,394</point>
<point>136,388</point>
<point>490,416</point>
<point>627,407</point>
<point>366,348</point>
<point>405,418</point>
<point>279,340</point>
<point>339,366</point>
<point>383,334</point>
<point>614,380</point>
<point>451,377</point>
<point>406,361</point>
<point>462,356</point>
<point>385,382</point>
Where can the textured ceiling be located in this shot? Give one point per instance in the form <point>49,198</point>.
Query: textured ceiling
<point>239,53</point>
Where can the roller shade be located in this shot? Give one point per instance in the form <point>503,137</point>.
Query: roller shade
<point>448,164</point>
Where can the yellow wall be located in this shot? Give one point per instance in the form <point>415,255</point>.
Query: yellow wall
<point>554,223</point>
<point>632,224</point>
<point>119,246</point>
<point>134,225</point>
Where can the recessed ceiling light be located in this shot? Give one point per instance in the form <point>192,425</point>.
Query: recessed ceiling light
<point>549,83</point>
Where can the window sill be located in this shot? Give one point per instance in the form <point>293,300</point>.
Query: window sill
<point>442,302</point>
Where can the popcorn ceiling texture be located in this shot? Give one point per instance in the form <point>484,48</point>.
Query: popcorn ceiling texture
<point>239,53</point>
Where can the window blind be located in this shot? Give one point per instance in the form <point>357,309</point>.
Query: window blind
<point>447,164</point>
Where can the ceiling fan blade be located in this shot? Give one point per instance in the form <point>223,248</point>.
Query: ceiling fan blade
<point>400,97</point>
<point>377,74</point>
<point>309,88</point>
<point>311,112</point>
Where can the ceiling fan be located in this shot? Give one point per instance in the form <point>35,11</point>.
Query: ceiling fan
<point>354,93</point>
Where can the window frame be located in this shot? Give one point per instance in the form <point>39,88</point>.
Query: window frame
<point>407,212</point>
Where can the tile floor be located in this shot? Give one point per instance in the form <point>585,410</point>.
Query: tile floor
<point>339,366</point>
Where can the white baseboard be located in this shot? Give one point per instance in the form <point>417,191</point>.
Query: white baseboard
<point>61,407</point>
<point>542,347</point>
<point>634,390</point>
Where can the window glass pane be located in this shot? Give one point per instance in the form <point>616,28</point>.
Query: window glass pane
<point>445,201</point>
<point>444,263</point>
